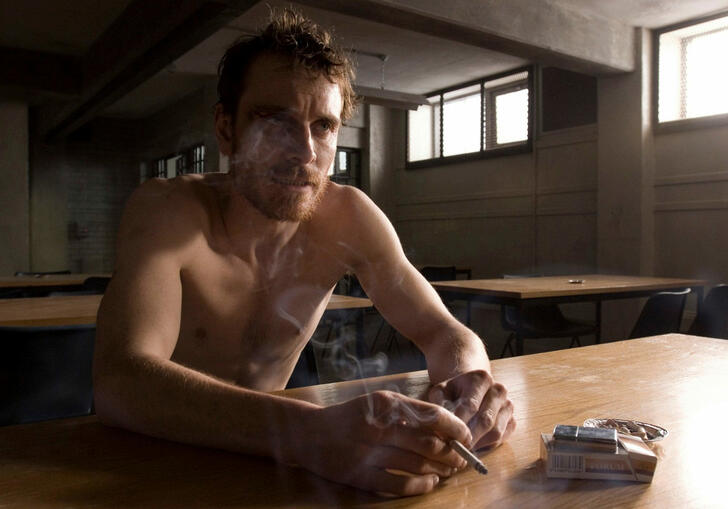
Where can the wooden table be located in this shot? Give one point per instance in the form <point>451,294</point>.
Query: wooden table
<point>51,280</point>
<point>675,381</point>
<point>82,309</point>
<point>520,292</point>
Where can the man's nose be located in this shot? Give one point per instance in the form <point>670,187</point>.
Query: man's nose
<point>300,145</point>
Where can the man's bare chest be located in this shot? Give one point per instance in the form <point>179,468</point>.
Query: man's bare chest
<point>239,319</point>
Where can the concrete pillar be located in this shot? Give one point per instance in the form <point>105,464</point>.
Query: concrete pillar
<point>14,193</point>
<point>386,155</point>
<point>625,225</point>
<point>625,199</point>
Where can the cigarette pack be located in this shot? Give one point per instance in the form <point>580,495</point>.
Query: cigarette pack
<point>583,438</point>
<point>633,461</point>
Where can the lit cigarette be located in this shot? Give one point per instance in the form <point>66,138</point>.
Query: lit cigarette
<point>468,456</point>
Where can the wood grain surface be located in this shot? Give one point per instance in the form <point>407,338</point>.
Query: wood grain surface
<point>47,280</point>
<point>82,309</point>
<point>675,381</point>
<point>560,286</point>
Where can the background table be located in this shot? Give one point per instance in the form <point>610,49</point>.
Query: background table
<point>82,309</point>
<point>51,280</point>
<point>676,381</point>
<point>520,292</point>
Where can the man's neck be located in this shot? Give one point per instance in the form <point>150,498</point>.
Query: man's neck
<point>252,234</point>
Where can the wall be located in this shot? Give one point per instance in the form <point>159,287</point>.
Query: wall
<point>691,203</point>
<point>527,213</point>
<point>14,197</point>
<point>78,189</point>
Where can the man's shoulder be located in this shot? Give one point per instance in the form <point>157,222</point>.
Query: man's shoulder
<point>341,199</point>
<point>186,193</point>
<point>169,205</point>
<point>346,211</point>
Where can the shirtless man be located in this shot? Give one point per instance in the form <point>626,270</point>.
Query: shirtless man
<point>221,280</point>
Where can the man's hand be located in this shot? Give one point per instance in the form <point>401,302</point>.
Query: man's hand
<point>481,403</point>
<point>362,442</point>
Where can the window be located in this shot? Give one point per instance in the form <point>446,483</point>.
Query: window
<point>691,75</point>
<point>346,168</point>
<point>187,161</point>
<point>491,116</point>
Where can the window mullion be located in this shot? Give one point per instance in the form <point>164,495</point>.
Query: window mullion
<point>442,130</point>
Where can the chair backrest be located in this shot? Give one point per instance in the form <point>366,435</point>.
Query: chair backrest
<point>439,273</point>
<point>45,372</point>
<point>52,273</point>
<point>96,284</point>
<point>712,319</point>
<point>661,314</point>
<point>542,316</point>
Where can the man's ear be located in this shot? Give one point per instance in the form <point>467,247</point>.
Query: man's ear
<point>224,130</point>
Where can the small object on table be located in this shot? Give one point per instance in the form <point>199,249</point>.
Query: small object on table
<point>575,281</point>
<point>627,427</point>
<point>468,456</point>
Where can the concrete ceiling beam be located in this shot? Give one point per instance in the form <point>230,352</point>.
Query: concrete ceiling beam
<point>539,31</point>
<point>144,39</point>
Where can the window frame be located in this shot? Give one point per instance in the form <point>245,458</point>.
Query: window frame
<point>352,175</point>
<point>682,124</point>
<point>484,152</point>
<point>188,161</point>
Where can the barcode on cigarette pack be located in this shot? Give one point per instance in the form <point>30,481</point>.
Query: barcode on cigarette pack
<point>567,462</point>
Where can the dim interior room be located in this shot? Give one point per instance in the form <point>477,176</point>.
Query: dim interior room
<point>96,97</point>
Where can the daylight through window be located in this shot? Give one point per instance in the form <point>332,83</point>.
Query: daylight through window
<point>473,119</point>
<point>692,76</point>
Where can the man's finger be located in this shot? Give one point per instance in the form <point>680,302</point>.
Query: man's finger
<point>423,443</point>
<point>470,397</point>
<point>385,482</point>
<point>485,419</point>
<point>502,428</point>
<point>398,459</point>
<point>435,419</point>
<point>436,394</point>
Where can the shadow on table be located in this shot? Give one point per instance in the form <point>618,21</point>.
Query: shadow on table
<point>596,493</point>
<point>89,465</point>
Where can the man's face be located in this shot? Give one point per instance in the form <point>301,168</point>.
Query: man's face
<point>284,138</point>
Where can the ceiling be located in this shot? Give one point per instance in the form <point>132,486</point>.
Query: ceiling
<point>417,62</point>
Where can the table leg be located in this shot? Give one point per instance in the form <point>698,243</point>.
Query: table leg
<point>598,333</point>
<point>361,349</point>
<point>698,298</point>
<point>519,330</point>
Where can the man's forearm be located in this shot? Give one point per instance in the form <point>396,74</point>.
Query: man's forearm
<point>164,399</point>
<point>454,350</point>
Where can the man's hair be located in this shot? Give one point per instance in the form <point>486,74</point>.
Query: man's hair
<point>292,35</point>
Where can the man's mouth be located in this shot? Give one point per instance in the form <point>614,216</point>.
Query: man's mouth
<point>291,182</point>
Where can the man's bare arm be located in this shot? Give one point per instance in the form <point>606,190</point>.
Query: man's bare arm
<point>138,387</point>
<point>456,357</point>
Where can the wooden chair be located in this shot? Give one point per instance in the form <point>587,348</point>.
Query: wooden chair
<point>45,372</point>
<point>712,319</point>
<point>661,314</point>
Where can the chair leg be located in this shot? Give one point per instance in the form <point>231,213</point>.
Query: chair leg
<point>575,341</point>
<point>392,340</point>
<point>508,346</point>
<point>376,337</point>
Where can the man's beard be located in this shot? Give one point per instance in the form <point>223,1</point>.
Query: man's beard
<point>259,187</point>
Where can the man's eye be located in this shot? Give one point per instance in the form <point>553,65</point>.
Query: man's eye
<point>326,125</point>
